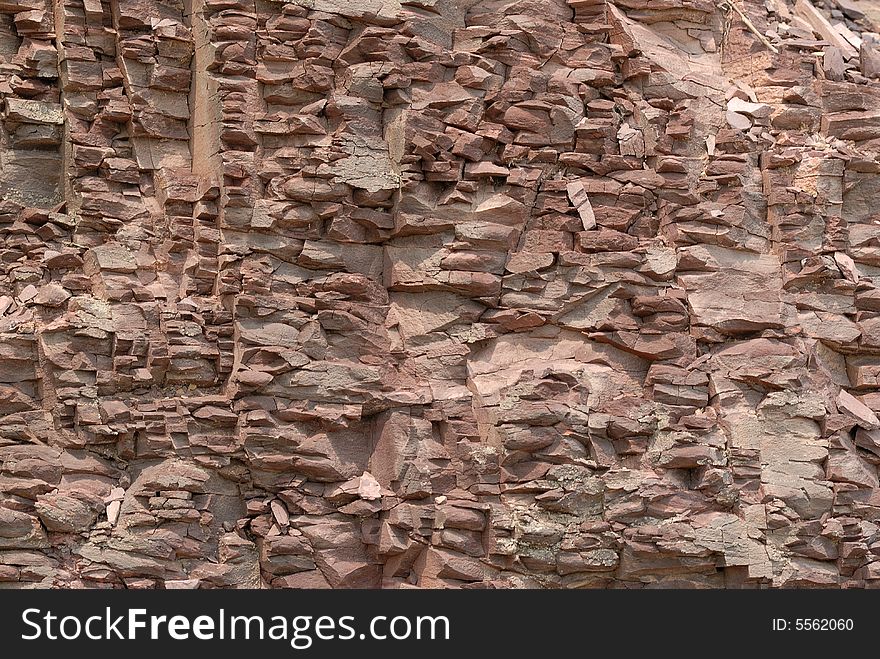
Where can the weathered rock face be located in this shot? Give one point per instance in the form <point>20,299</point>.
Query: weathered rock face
<point>444,293</point>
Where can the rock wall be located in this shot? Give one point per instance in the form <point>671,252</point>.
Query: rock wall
<point>439,293</point>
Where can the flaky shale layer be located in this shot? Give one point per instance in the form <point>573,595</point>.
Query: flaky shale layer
<point>439,293</point>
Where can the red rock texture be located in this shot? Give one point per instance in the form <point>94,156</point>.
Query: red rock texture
<point>439,293</point>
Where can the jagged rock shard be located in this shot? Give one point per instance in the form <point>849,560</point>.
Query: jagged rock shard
<point>869,56</point>
<point>439,293</point>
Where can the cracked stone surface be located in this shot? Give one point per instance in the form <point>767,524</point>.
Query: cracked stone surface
<point>439,293</point>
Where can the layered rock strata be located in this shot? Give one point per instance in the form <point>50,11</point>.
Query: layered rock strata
<point>439,293</point>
